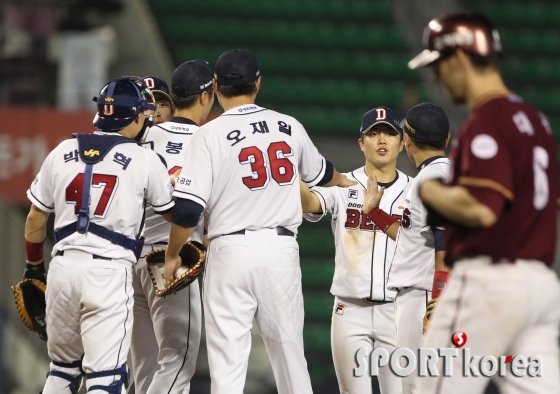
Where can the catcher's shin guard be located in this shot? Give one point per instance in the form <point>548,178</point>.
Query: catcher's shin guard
<point>116,386</point>
<point>75,381</point>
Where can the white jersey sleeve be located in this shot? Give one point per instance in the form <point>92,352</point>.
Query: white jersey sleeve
<point>312,163</point>
<point>363,251</point>
<point>41,191</point>
<point>327,200</point>
<point>414,261</point>
<point>195,181</point>
<point>243,168</point>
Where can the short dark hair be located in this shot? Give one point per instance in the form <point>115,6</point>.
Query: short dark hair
<point>483,62</point>
<point>181,102</point>
<point>429,145</point>
<point>229,91</point>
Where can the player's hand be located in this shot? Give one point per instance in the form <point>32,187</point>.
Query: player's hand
<point>429,310</point>
<point>171,264</point>
<point>372,195</point>
<point>346,182</point>
<point>174,176</point>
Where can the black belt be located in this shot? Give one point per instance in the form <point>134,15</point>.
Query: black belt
<point>94,256</point>
<point>279,230</point>
<point>368,300</point>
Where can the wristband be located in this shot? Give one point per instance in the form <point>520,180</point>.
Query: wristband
<point>440,281</point>
<point>34,252</point>
<point>381,219</point>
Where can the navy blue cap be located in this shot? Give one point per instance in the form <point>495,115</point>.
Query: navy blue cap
<point>240,62</point>
<point>381,115</point>
<point>157,86</point>
<point>426,123</point>
<point>193,76</point>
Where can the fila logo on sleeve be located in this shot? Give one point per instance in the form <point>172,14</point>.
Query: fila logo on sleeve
<point>381,113</point>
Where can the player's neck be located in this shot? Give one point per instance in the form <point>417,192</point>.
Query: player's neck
<point>420,156</point>
<point>483,87</point>
<point>384,174</point>
<point>190,113</point>
<point>229,103</point>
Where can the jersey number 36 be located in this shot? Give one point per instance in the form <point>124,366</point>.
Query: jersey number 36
<point>281,168</point>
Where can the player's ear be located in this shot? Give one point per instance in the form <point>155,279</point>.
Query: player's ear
<point>447,139</point>
<point>361,142</point>
<point>257,85</point>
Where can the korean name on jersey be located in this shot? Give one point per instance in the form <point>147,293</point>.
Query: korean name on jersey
<point>414,262</point>
<point>116,194</point>
<point>363,252</point>
<point>255,154</point>
<point>170,141</point>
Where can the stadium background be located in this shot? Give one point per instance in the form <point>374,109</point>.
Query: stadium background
<point>324,62</point>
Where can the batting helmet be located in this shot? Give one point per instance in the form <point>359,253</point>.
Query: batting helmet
<point>120,101</point>
<point>468,31</point>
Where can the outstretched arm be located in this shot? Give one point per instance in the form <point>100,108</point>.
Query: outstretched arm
<point>456,204</point>
<point>309,201</point>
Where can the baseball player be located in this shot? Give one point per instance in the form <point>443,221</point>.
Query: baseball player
<point>164,103</point>
<point>243,168</point>
<point>363,313</point>
<point>166,334</point>
<point>501,203</point>
<point>96,185</point>
<point>418,264</point>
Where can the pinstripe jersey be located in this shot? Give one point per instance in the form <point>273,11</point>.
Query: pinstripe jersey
<point>414,261</point>
<point>169,140</point>
<point>363,251</point>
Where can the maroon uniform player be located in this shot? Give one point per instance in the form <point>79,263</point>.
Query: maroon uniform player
<point>501,204</point>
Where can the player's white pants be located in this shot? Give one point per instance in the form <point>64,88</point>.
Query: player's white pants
<point>505,309</point>
<point>89,314</point>
<point>362,325</point>
<point>410,308</point>
<point>256,275</point>
<point>165,336</point>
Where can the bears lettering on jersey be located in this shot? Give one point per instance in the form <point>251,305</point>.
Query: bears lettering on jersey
<point>356,218</point>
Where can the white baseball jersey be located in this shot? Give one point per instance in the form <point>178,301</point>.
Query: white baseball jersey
<point>363,251</point>
<point>170,140</point>
<point>121,181</point>
<point>244,165</point>
<point>414,262</point>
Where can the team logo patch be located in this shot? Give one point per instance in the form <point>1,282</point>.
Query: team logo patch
<point>340,309</point>
<point>484,146</point>
<point>352,193</point>
<point>91,152</point>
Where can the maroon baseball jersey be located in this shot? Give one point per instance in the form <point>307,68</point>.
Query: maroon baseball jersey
<point>506,158</point>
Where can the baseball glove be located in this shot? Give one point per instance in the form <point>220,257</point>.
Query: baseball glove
<point>193,257</point>
<point>429,310</point>
<point>30,303</point>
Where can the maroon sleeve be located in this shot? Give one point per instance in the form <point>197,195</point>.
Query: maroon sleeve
<point>486,164</point>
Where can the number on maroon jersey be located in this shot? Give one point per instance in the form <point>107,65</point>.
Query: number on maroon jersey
<point>109,184</point>
<point>540,165</point>
<point>406,220</point>
<point>281,168</point>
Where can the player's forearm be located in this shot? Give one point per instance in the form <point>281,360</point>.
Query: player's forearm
<point>393,230</point>
<point>177,238</point>
<point>309,201</point>
<point>456,204</point>
<point>440,262</point>
<point>36,225</point>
